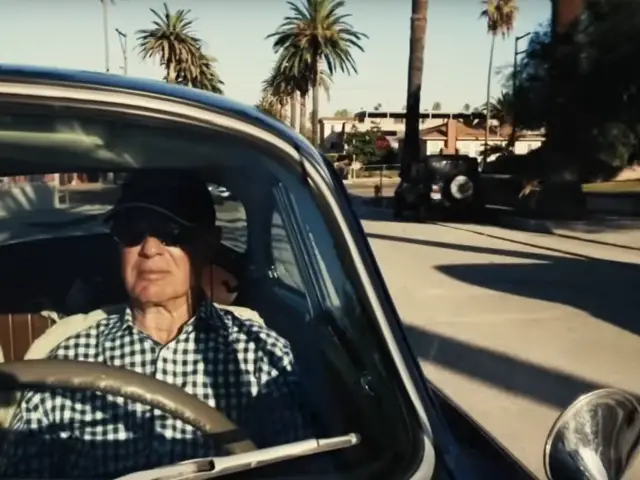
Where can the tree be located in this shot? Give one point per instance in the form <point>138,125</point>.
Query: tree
<point>579,86</point>
<point>281,85</point>
<point>436,107</point>
<point>377,107</point>
<point>201,75</point>
<point>171,40</point>
<point>271,106</point>
<point>411,148</point>
<point>315,34</point>
<point>466,108</point>
<point>361,145</point>
<point>343,112</point>
<point>300,77</point>
<point>500,16</point>
<point>502,108</point>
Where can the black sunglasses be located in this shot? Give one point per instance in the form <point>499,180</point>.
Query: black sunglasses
<point>132,232</point>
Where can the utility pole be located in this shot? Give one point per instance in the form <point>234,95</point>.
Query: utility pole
<point>123,46</point>
<point>105,20</point>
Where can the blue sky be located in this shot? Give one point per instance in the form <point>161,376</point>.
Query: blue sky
<point>69,33</point>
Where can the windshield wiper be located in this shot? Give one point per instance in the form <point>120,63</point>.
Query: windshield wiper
<point>212,467</point>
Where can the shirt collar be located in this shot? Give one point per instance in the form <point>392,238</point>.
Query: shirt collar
<point>207,315</point>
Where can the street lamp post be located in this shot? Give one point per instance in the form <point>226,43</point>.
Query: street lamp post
<point>123,46</point>
<point>514,81</point>
<point>105,20</point>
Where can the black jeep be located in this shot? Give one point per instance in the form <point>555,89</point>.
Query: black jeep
<point>440,182</point>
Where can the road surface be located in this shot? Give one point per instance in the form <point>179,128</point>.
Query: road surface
<point>512,325</point>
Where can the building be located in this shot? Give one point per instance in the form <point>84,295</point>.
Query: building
<point>447,132</point>
<point>391,124</point>
<point>455,136</point>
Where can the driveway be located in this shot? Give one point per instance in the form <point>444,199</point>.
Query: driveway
<point>512,325</point>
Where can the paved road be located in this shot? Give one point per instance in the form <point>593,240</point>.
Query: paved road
<point>513,325</point>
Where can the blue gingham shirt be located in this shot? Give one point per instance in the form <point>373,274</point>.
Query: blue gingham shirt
<point>237,366</point>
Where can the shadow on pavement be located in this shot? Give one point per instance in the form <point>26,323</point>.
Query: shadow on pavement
<point>503,371</point>
<point>369,209</point>
<point>604,289</point>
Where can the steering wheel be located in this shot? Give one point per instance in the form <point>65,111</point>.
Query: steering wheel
<point>130,385</point>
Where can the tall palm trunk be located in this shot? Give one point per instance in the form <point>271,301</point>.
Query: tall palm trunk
<point>293,110</point>
<point>315,112</point>
<point>411,147</point>
<point>303,113</point>
<point>488,103</point>
<point>171,73</point>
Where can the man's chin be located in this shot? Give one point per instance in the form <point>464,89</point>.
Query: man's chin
<point>153,295</point>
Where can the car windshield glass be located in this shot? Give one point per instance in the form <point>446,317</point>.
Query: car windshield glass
<point>93,258</point>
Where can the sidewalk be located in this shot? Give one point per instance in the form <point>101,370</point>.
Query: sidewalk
<point>372,181</point>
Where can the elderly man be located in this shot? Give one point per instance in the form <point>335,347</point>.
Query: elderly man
<point>165,224</point>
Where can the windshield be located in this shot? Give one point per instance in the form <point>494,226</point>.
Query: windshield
<point>223,281</point>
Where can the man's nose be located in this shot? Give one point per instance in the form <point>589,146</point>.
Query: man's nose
<point>151,247</point>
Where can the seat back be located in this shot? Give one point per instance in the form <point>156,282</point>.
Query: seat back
<point>19,330</point>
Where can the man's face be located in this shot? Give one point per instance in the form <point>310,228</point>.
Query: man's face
<point>158,256</point>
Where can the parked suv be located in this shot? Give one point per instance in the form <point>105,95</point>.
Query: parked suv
<point>440,182</point>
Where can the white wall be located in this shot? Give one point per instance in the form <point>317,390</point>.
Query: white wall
<point>26,197</point>
<point>525,146</point>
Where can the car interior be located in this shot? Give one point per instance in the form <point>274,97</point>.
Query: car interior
<point>266,269</point>
<point>47,285</point>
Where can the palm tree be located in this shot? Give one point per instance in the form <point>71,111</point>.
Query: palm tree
<point>411,146</point>
<point>201,74</point>
<point>300,77</point>
<point>500,16</point>
<point>317,33</point>
<point>280,85</point>
<point>501,107</point>
<point>172,41</point>
<point>271,106</point>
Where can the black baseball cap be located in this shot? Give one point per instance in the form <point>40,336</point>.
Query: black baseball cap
<point>181,196</point>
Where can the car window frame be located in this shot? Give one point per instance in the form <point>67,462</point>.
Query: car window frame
<point>308,297</point>
<point>283,152</point>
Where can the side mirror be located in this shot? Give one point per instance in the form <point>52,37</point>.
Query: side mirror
<point>595,438</point>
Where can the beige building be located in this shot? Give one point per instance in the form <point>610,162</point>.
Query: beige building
<point>391,123</point>
<point>440,131</point>
<point>470,140</point>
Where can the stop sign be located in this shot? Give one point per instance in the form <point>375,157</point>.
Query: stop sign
<point>382,143</point>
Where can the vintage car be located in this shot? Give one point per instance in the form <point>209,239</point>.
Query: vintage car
<point>441,183</point>
<point>293,256</point>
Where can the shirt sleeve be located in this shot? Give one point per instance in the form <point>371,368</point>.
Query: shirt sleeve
<point>32,449</point>
<point>278,413</point>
